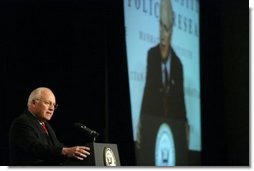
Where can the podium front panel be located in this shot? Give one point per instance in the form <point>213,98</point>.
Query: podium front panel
<point>101,154</point>
<point>163,143</point>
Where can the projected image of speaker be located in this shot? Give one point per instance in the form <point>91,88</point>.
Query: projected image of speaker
<point>162,45</point>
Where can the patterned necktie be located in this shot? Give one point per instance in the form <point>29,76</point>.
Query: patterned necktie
<point>45,130</point>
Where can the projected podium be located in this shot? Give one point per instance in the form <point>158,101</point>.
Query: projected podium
<point>101,154</point>
<point>163,143</point>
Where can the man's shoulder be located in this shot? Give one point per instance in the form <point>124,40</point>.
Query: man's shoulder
<point>154,49</point>
<point>154,53</point>
<point>25,118</point>
<point>175,58</point>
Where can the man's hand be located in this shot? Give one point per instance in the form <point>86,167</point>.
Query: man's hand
<point>78,152</point>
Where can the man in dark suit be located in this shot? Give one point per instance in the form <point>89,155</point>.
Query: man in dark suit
<point>163,93</point>
<point>159,91</point>
<point>32,139</point>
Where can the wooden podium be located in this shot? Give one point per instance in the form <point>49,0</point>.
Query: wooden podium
<point>101,154</point>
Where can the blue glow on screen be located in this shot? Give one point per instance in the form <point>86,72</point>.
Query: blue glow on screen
<point>142,32</point>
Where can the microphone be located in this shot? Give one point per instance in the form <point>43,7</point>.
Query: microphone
<point>86,129</point>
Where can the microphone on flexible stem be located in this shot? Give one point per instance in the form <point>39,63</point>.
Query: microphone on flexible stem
<point>87,130</point>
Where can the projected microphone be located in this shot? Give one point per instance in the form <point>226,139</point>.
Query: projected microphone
<point>87,130</point>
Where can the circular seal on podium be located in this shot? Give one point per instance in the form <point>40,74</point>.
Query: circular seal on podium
<point>109,157</point>
<point>165,147</point>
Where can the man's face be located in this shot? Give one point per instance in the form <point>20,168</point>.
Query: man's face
<point>44,106</point>
<point>165,31</point>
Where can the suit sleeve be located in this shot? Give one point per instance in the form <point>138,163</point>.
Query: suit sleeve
<point>147,96</point>
<point>180,90</point>
<point>181,93</point>
<point>25,138</point>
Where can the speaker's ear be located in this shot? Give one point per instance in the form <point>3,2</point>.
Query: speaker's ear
<point>33,101</point>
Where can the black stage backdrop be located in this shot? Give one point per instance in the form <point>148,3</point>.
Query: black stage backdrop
<point>69,47</point>
<point>77,48</point>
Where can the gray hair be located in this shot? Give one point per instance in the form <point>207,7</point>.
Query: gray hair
<point>166,5</point>
<point>35,94</point>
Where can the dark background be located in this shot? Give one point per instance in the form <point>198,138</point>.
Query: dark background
<point>77,48</point>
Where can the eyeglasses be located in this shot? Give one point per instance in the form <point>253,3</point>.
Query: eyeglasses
<point>48,103</point>
<point>164,27</point>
